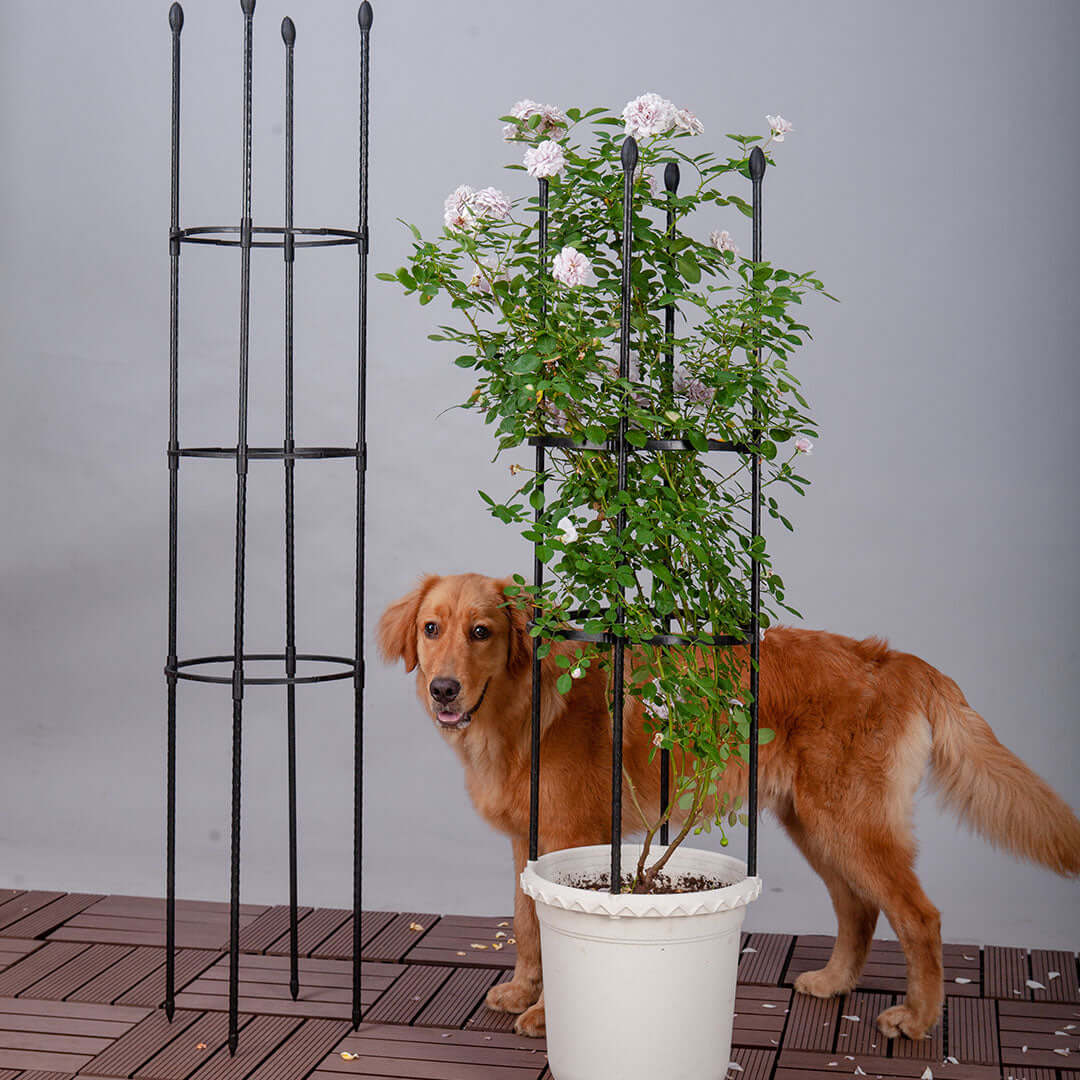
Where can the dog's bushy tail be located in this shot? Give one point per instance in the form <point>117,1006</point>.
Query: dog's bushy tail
<point>993,790</point>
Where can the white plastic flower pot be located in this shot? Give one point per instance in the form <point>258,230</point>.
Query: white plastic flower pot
<point>638,987</point>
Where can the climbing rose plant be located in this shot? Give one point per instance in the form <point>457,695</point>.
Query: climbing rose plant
<point>541,334</point>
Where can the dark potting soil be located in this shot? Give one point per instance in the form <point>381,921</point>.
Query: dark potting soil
<point>662,883</point>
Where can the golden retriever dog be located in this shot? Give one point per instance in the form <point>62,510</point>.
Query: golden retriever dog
<point>856,724</point>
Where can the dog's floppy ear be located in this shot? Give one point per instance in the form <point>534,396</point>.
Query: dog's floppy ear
<point>519,651</point>
<point>397,627</point>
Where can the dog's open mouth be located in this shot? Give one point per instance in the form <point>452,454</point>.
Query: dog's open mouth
<point>459,721</point>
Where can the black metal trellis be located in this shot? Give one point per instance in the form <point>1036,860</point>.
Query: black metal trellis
<point>284,238</point>
<point>621,448</point>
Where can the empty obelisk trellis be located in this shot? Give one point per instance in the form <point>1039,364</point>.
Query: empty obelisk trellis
<point>285,238</point>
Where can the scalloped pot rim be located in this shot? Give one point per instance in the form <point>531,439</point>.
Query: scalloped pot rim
<point>544,880</point>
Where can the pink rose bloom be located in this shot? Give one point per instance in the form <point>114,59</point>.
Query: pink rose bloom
<point>685,120</point>
<point>804,445</point>
<point>657,738</point>
<point>779,127</point>
<point>721,240</point>
<point>489,203</point>
<point>552,119</point>
<point>544,160</point>
<point>456,213</point>
<point>571,267</point>
<point>648,115</point>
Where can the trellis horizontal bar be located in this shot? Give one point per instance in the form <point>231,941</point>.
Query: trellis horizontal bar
<point>608,638</point>
<point>564,442</point>
<point>347,672</point>
<point>211,234</point>
<point>267,453</point>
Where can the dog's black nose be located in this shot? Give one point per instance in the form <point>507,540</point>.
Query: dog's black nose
<point>444,690</point>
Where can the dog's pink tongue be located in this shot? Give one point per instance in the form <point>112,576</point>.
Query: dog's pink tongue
<point>448,718</point>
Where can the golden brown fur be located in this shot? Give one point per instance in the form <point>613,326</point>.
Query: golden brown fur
<point>856,724</point>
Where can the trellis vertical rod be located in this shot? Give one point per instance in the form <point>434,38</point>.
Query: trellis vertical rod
<point>538,566</point>
<point>288,35</point>
<point>629,158</point>
<point>248,7</point>
<point>176,24</point>
<point>364,19</point>
<point>671,185</point>
<point>757,172</point>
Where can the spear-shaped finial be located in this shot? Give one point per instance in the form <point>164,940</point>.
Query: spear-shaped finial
<point>288,31</point>
<point>364,16</point>
<point>671,176</point>
<point>247,7</point>
<point>757,163</point>
<point>629,154</point>
<point>176,18</point>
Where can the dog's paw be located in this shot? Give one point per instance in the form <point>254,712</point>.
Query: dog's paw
<point>822,984</point>
<point>902,1020</point>
<point>531,1022</point>
<point>514,997</point>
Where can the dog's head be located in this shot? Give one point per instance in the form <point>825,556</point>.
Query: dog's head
<point>465,639</point>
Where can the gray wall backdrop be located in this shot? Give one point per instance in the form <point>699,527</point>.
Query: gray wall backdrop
<point>930,181</point>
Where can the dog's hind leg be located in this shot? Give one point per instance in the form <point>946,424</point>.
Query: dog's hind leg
<point>855,917</point>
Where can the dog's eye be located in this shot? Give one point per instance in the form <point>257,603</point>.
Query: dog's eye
<point>431,629</point>
<point>480,633</point>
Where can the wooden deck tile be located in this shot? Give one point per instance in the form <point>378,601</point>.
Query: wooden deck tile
<point>23,904</point>
<point>9,1074</point>
<point>260,934</point>
<point>192,1047</point>
<point>37,965</point>
<point>455,935</point>
<point>118,979</point>
<point>12,950</point>
<point>1005,973</point>
<point>338,946</point>
<point>313,931</point>
<point>931,1048</point>
<point>78,971</point>
<point>56,1037</point>
<point>861,1036</point>
<point>150,990</point>
<point>325,987</point>
<point>812,1023</point>
<point>1059,987</point>
<point>764,958</point>
<point>388,1052</point>
<point>756,1064</point>
<point>458,998</point>
<point>1036,1034</point>
<point>406,999</point>
<point>399,936</point>
<point>302,1052</point>
<point>485,1019</point>
<point>38,923</point>
<point>805,1065</point>
<point>973,1030</point>
<point>146,1039</point>
<point>260,1039</point>
<point>760,1015</point>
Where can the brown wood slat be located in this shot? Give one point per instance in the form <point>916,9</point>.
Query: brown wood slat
<point>396,1052</point>
<point>314,930</point>
<point>973,1030</point>
<point>812,1023</point>
<point>398,937</point>
<point>150,991</point>
<point>765,965</point>
<point>36,1075</point>
<point>1011,1072</point>
<point>197,1044</point>
<point>459,997</point>
<point>861,1037</point>
<point>9,894</point>
<point>457,940</point>
<point>405,1000</point>
<point>931,1048</point>
<point>302,1052</point>
<point>1064,986</point>
<point>260,1039</point>
<point>36,966</point>
<point>153,907</point>
<point>12,950</point>
<point>78,971</point>
<point>1005,973</point>
<point>485,1019</point>
<point>22,905</point>
<point>338,946</point>
<point>133,1050</point>
<point>756,1064</point>
<point>1036,1025</point>
<point>116,980</point>
<point>260,934</point>
<point>806,1065</point>
<point>50,916</point>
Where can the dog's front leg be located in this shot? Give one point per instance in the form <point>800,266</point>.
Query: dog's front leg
<point>524,993</point>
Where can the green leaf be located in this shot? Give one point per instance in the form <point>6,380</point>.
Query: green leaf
<point>564,683</point>
<point>637,438</point>
<point>765,735</point>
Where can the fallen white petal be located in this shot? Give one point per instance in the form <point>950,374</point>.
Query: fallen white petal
<point>952,1061</point>
<point>1069,1027</point>
<point>1053,974</point>
<point>1023,1049</point>
<point>1035,985</point>
<point>734,1065</point>
<point>832,1063</point>
<point>966,957</point>
<point>749,949</point>
<point>961,979</point>
<point>1063,1053</point>
<point>848,1057</point>
<point>855,1018</point>
<point>1065,1033</point>
<point>859,1071</point>
<point>928,1074</point>
<point>767,1005</point>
